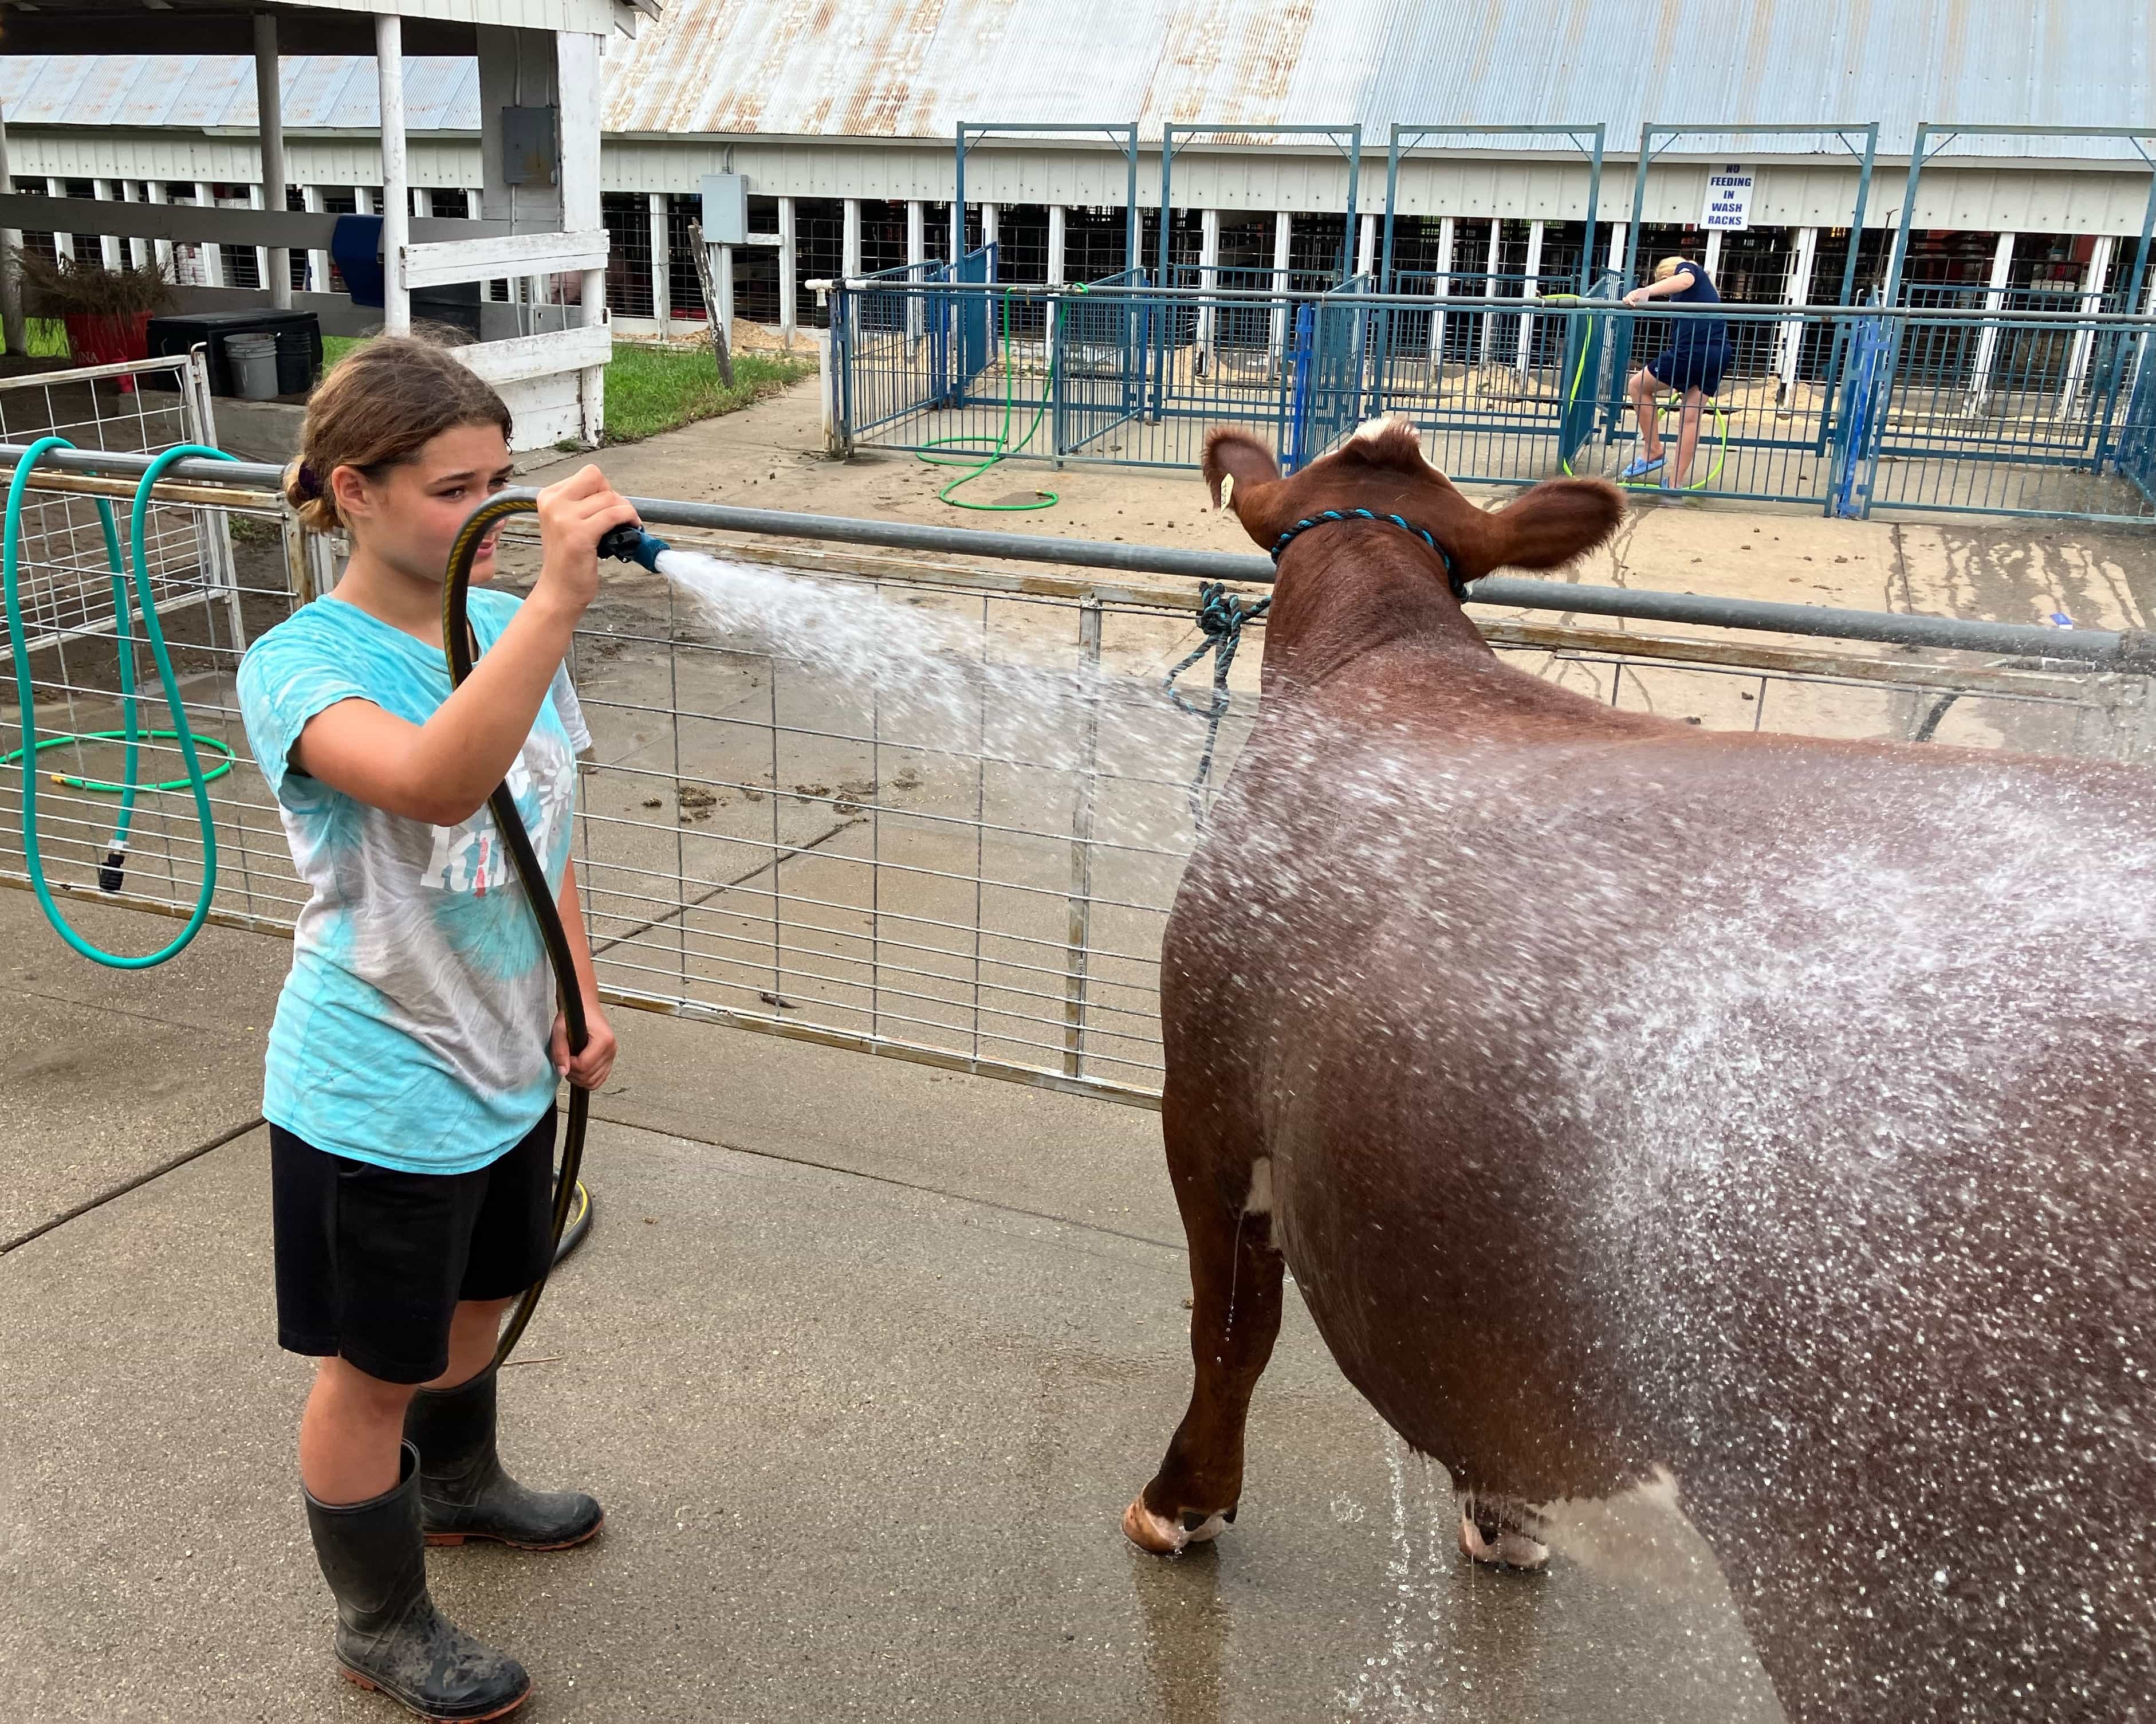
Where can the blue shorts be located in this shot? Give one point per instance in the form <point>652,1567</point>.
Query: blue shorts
<point>1698,368</point>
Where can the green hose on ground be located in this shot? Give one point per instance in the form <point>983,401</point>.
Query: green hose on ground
<point>128,786</point>
<point>1000,447</point>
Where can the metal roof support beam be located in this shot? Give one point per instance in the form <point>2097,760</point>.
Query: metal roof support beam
<point>1346,139</point>
<point>269,108</point>
<point>1586,139</point>
<point>1123,134</point>
<point>1650,148</point>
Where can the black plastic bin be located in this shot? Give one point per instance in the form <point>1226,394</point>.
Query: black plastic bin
<point>299,333</point>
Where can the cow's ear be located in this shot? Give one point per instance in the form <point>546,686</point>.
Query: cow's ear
<point>1235,460</point>
<point>1553,524</point>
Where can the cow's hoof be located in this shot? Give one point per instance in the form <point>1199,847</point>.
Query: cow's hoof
<point>1509,1549</point>
<point>1165,1537</point>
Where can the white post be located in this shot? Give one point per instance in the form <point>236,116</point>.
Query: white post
<point>958,236</point>
<point>166,258</point>
<point>15,336</point>
<point>258,198</point>
<point>990,224</point>
<point>916,259</point>
<point>210,256</point>
<point>269,122</point>
<point>1490,291</point>
<point>396,182</point>
<point>109,251</point>
<point>1283,238</point>
<point>789,273</point>
<point>364,199</point>
<point>63,243</point>
<point>1987,338</point>
<point>1617,230</point>
<point>660,247</point>
<point>1790,340</point>
<point>318,261</point>
<point>1443,285</point>
<point>1365,247</point>
<point>2099,267</point>
<point>138,250</point>
<point>1527,292</point>
<point>422,203</point>
<point>577,67</point>
<point>1055,245</point>
<point>849,241</point>
<point>723,282</point>
<point>1712,259</point>
<point>1209,281</point>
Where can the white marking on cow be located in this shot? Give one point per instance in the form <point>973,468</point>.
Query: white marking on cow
<point>1373,428</point>
<point>1640,1534</point>
<point>1260,1202</point>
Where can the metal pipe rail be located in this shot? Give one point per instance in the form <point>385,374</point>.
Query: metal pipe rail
<point>2103,649</point>
<point>1737,309</point>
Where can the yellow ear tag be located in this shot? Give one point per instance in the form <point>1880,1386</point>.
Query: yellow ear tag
<point>1228,491</point>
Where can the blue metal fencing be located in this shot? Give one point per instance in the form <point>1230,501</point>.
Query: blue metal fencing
<point>2000,409</point>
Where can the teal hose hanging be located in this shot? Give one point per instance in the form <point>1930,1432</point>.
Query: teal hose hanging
<point>136,562</point>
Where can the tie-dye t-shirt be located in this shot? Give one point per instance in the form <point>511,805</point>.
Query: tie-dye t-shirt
<point>412,1030</point>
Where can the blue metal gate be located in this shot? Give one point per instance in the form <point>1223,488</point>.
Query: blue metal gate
<point>1099,363</point>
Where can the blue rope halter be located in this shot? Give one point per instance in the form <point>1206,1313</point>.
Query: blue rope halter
<point>1329,516</point>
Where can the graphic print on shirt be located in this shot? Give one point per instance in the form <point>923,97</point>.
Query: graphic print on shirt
<point>470,856</point>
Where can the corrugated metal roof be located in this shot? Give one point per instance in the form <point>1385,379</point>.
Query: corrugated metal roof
<point>915,68</point>
<point>197,92</point>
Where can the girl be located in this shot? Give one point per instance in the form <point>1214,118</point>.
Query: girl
<point>413,1058</point>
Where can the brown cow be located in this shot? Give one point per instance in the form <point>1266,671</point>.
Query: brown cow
<point>1753,1119</point>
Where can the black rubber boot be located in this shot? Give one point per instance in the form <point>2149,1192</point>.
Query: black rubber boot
<point>463,1492</point>
<point>389,1635</point>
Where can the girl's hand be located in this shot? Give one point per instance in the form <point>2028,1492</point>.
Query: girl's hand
<point>589,1069</point>
<point>573,515</point>
<point>1637,297</point>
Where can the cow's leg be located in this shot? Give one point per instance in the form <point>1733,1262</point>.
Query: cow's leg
<point>1235,1318</point>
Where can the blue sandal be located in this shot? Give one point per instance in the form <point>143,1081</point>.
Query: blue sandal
<point>1640,468</point>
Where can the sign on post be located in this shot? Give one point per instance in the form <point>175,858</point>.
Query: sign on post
<point>1728,199</point>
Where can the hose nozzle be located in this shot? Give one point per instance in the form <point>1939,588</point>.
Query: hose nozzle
<point>630,544</point>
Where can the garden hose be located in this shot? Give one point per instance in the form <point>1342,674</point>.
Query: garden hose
<point>110,875</point>
<point>1572,399</point>
<point>572,1203</point>
<point>1001,448</point>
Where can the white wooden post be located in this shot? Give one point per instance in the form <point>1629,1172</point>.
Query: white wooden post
<point>957,235</point>
<point>1283,240</point>
<point>258,198</point>
<point>1209,281</point>
<point>138,250</point>
<point>269,122</point>
<point>209,257</point>
<point>916,258</point>
<point>660,247</point>
<point>111,253</point>
<point>395,180</point>
<point>1365,247</point>
<point>1057,219</point>
<point>1790,340</point>
<point>318,261</point>
<point>724,274</point>
<point>1484,355</point>
<point>63,243</point>
<point>788,274</point>
<point>1527,292</point>
<point>849,241</point>
<point>1987,339</point>
<point>1443,286</point>
<point>1617,230</point>
<point>166,261</point>
<point>12,331</point>
<point>576,63</point>
<point>1713,259</point>
<point>2099,267</point>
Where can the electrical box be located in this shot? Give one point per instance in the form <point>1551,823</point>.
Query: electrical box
<point>725,210</point>
<point>531,146</point>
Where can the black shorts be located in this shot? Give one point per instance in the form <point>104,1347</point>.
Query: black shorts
<point>1695,367</point>
<point>371,1263</point>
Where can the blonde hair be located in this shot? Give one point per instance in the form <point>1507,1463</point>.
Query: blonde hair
<point>1668,267</point>
<point>381,404</point>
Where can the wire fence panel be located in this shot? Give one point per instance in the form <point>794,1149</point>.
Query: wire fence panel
<point>777,841</point>
<point>2022,408</point>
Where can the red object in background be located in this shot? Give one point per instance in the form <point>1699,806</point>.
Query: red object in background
<point>108,340</point>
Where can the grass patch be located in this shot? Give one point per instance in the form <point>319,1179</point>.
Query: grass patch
<point>650,389</point>
<point>653,388</point>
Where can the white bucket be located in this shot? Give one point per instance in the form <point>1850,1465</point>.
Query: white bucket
<point>253,359</point>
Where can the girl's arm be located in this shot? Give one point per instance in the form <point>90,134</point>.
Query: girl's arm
<point>443,770</point>
<point>1676,281</point>
<point>588,1070</point>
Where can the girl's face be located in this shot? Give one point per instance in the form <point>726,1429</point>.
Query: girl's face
<point>409,518</point>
